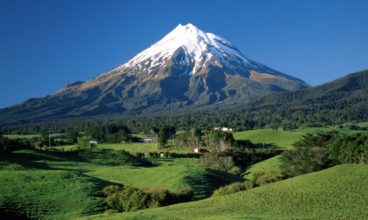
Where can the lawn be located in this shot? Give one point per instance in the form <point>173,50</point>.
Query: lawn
<point>340,192</point>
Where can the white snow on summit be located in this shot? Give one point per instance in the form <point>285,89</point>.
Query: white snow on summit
<point>198,45</point>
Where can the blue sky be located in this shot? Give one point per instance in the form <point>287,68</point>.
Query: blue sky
<point>46,44</point>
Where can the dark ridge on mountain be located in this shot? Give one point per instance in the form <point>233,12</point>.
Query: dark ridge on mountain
<point>347,87</point>
<point>187,70</point>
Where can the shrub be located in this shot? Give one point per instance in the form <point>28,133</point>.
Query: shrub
<point>350,148</point>
<point>140,155</point>
<point>126,198</point>
<point>233,188</point>
<point>218,161</point>
<point>132,199</point>
<point>262,178</point>
<point>159,197</point>
<point>319,151</point>
<point>184,195</point>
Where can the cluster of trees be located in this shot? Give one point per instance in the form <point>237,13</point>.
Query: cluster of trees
<point>110,133</point>
<point>233,156</point>
<point>315,152</point>
<point>195,137</point>
<point>126,198</point>
<point>190,139</point>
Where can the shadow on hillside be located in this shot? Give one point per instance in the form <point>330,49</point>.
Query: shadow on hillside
<point>38,159</point>
<point>10,214</point>
<point>249,144</point>
<point>204,185</point>
<point>267,146</point>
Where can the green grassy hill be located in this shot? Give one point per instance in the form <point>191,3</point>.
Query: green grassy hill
<point>271,164</point>
<point>174,176</point>
<point>340,192</point>
<point>54,185</point>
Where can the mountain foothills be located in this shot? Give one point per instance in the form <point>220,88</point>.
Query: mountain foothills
<point>188,69</point>
<point>339,101</point>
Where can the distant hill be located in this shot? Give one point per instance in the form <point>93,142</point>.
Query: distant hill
<point>340,192</point>
<point>342,100</point>
<point>335,94</point>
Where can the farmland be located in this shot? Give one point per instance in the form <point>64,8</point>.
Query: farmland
<point>35,181</point>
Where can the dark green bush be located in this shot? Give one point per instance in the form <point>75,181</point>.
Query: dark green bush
<point>262,178</point>
<point>319,151</point>
<point>140,155</point>
<point>310,154</point>
<point>350,148</point>
<point>233,188</point>
<point>126,198</point>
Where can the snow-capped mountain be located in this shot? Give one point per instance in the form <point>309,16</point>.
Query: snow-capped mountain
<point>198,48</point>
<point>187,69</point>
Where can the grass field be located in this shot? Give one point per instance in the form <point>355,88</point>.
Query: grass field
<point>280,139</point>
<point>340,192</point>
<point>49,185</point>
<point>271,164</point>
<point>283,139</point>
<point>363,124</point>
<point>52,194</point>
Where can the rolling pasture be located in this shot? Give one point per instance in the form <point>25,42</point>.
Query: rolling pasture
<point>339,192</point>
<point>61,185</point>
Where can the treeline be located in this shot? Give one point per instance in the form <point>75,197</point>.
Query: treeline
<point>265,116</point>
